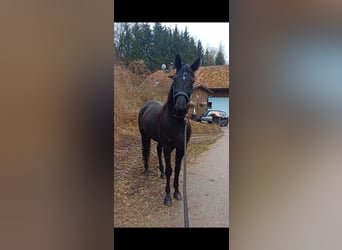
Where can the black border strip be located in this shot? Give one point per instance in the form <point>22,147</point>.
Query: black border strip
<point>158,238</point>
<point>171,11</point>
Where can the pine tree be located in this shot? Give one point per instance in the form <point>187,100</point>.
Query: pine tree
<point>219,59</point>
<point>124,44</point>
<point>200,50</point>
<point>209,57</point>
<point>175,42</point>
<point>146,44</point>
<point>159,45</point>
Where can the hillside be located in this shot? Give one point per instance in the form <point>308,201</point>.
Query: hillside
<point>210,77</point>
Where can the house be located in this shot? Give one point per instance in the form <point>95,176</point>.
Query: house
<point>213,82</point>
<point>199,99</point>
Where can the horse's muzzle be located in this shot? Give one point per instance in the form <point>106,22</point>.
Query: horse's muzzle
<point>180,113</point>
<point>181,105</point>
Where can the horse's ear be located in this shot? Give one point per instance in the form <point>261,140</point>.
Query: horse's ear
<point>178,62</point>
<point>196,64</point>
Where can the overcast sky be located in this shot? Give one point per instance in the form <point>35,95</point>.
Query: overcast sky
<point>210,34</point>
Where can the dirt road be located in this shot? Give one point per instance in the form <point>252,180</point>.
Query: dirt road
<point>138,200</point>
<point>208,186</point>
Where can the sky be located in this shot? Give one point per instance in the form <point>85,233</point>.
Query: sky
<point>210,34</point>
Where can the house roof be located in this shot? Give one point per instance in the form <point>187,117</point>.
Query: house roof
<point>213,76</point>
<point>197,86</point>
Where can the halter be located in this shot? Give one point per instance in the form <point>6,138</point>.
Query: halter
<point>180,93</point>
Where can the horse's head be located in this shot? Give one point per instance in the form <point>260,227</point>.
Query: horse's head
<point>182,86</point>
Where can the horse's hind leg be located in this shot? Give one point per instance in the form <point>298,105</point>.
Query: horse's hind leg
<point>161,166</point>
<point>146,145</point>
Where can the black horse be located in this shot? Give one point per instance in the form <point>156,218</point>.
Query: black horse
<point>166,124</point>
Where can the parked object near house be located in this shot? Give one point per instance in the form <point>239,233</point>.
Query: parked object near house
<point>215,116</point>
<point>196,118</point>
<point>216,80</point>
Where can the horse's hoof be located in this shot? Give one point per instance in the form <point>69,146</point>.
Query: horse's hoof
<point>168,201</point>
<point>177,195</point>
<point>146,173</point>
<point>162,175</point>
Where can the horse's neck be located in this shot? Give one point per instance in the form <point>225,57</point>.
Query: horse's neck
<point>168,106</point>
<point>167,112</point>
<point>169,101</point>
<point>167,109</point>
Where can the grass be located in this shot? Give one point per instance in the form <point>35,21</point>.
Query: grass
<point>199,128</point>
<point>199,147</point>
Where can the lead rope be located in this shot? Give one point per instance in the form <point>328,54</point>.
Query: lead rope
<point>186,215</point>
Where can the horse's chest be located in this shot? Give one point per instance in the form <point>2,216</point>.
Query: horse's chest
<point>166,137</point>
<point>171,138</point>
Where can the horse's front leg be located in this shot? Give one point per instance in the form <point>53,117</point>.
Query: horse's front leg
<point>161,166</point>
<point>168,171</point>
<point>179,156</point>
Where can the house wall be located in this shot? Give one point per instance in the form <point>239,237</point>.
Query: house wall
<point>221,93</point>
<point>198,98</point>
<point>220,103</point>
<point>219,100</point>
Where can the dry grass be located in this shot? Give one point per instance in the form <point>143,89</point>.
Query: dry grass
<point>204,128</point>
<point>198,148</point>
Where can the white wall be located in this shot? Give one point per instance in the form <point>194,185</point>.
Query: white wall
<point>221,103</point>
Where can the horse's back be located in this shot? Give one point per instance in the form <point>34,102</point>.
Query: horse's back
<point>150,109</point>
<point>148,118</point>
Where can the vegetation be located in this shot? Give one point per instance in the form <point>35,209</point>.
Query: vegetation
<point>219,59</point>
<point>158,45</point>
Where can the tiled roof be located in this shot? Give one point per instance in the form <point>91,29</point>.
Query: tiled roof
<point>213,76</point>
